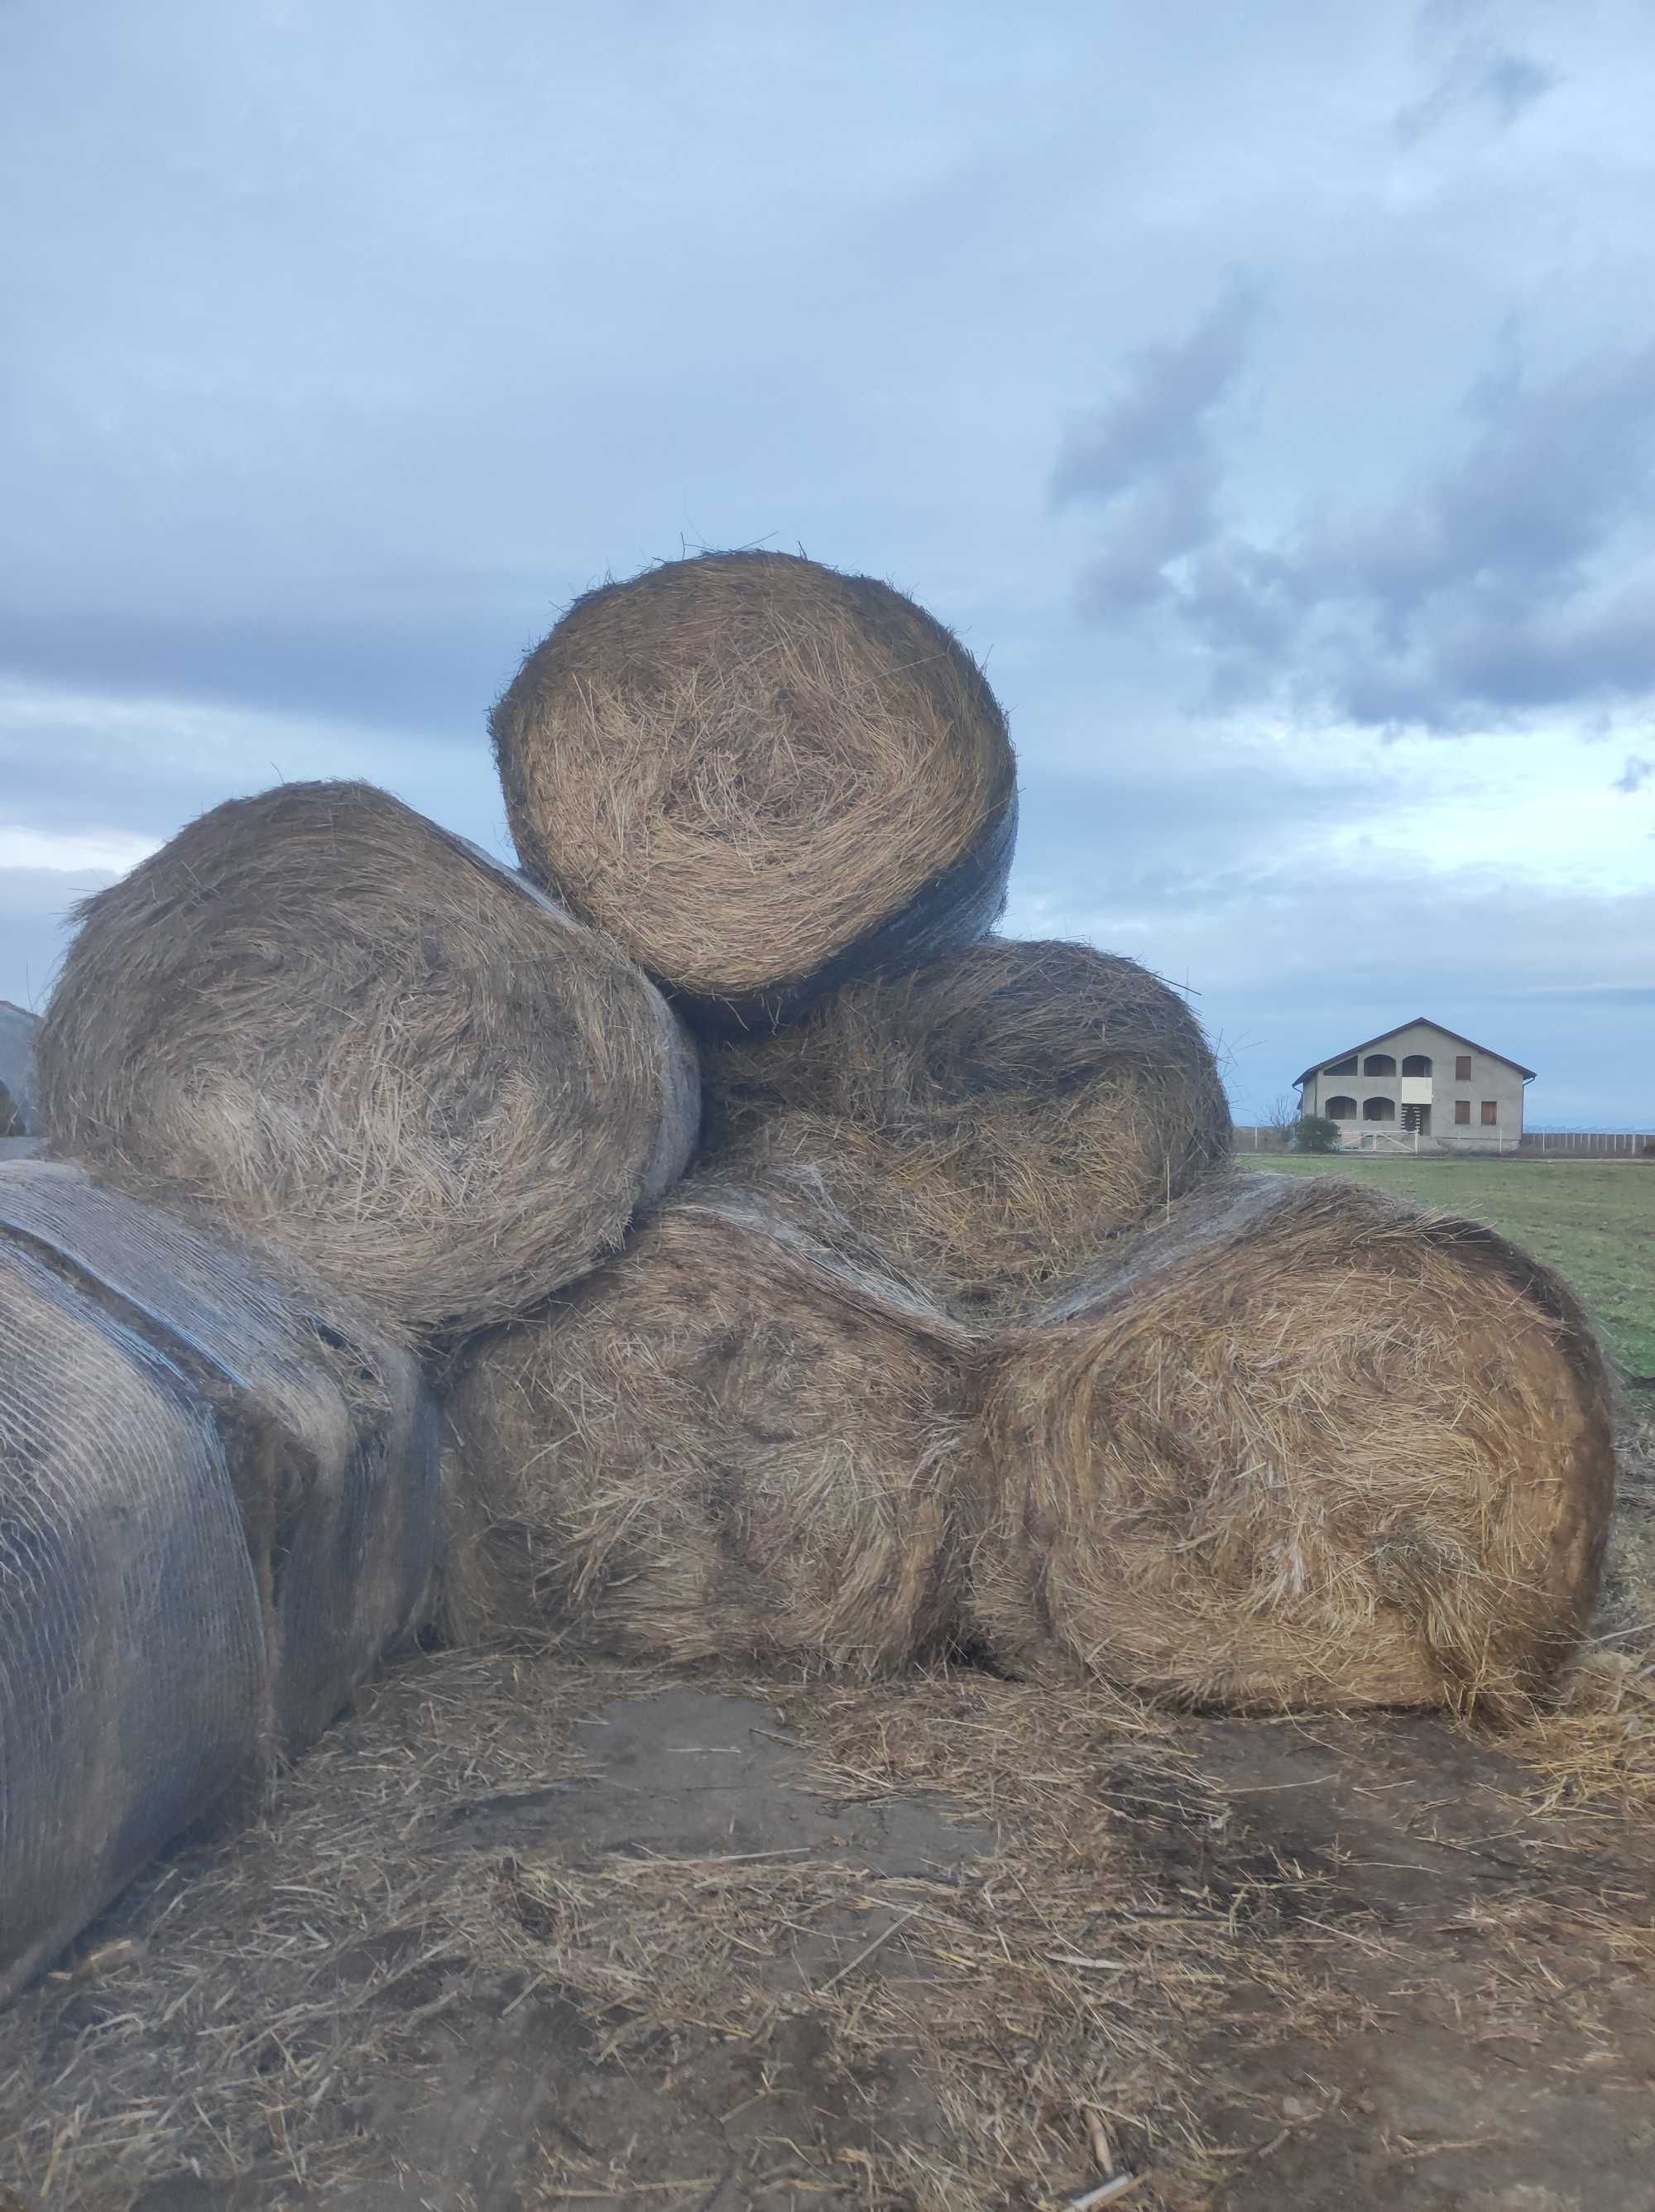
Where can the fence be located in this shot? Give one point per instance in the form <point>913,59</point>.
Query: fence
<point>1534,1143</point>
<point>1590,1144</point>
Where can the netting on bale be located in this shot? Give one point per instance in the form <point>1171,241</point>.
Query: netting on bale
<point>991,1118</point>
<point>738,1439</point>
<point>763,777</point>
<point>132,1655</point>
<point>362,1040</point>
<point>330,1435</point>
<point>1304,1445</point>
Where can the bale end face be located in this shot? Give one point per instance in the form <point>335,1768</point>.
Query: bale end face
<point>760,776</point>
<point>1341,1454</point>
<point>356,1037</point>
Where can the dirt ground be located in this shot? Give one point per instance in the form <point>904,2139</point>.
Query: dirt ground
<point>525,1934</point>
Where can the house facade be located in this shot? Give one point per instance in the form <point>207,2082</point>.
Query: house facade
<point>1419,1087</point>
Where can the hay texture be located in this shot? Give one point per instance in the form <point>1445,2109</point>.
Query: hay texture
<point>1306,1446</point>
<point>761,777</point>
<point>359,1037</point>
<point>989,1120</point>
<point>731,1441</point>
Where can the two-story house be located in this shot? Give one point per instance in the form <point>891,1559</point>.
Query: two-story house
<point>1422,1084</point>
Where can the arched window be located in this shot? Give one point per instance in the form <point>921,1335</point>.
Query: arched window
<point>1378,1063</point>
<point>1417,1063</point>
<point>1379,1110</point>
<point>1340,1110</point>
<point>1342,1066</point>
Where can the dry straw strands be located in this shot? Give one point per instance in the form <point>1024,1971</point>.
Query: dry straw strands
<point>761,776</point>
<point>733,1441</point>
<point>1306,1445</point>
<point>991,1119</point>
<point>362,1039</point>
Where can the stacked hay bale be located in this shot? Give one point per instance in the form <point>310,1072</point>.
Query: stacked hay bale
<point>761,777</point>
<point>1395,1497</point>
<point>1305,1445</point>
<point>741,1438</point>
<point>961,1335</point>
<point>348,1032</point>
<point>990,1119</point>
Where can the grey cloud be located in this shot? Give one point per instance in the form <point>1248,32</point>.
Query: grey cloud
<point>1492,587</point>
<point>1498,83</point>
<point>1635,774</point>
<point>1147,460</point>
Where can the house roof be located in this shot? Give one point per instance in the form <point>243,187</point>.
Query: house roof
<point>1419,1021</point>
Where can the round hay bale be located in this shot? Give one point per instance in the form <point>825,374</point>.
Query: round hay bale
<point>1306,1445</point>
<point>360,1038</point>
<point>761,777</point>
<point>989,1119</point>
<point>732,1441</point>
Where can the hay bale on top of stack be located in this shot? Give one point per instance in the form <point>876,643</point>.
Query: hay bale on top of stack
<point>740,1439</point>
<point>761,777</point>
<point>991,1120</point>
<point>349,1033</point>
<point>1305,1445</point>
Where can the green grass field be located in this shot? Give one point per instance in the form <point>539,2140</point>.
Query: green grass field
<point>1595,1220</point>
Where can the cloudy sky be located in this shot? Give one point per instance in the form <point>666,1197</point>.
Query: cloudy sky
<point>1266,393</point>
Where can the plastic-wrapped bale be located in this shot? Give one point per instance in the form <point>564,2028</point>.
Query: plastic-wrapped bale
<point>332,1440</point>
<point>132,1679</point>
<point>990,1119</point>
<point>1304,1445</point>
<point>219,1498</point>
<point>763,777</point>
<point>736,1440</point>
<point>363,1040</point>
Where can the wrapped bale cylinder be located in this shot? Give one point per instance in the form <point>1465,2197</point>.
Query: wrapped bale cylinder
<point>736,1440</point>
<point>363,1040</point>
<point>132,1682</point>
<point>762,777</point>
<point>219,1494</point>
<point>1305,1445</point>
<point>990,1119</point>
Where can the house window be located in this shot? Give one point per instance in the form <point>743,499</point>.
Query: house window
<point>1378,1063</point>
<point>1417,1063</point>
<point>1417,1120</point>
<point>1490,1113</point>
<point>1379,1110</point>
<point>1463,1068</point>
<point>1341,1109</point>
<point>1462,1110</point>
<point>1342,1068</point>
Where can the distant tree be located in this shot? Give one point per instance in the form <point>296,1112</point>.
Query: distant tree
<point>1315,1133</point>
<point>1281,1115</point>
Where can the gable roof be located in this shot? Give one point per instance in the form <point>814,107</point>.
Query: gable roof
<point>1419,1021</point>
